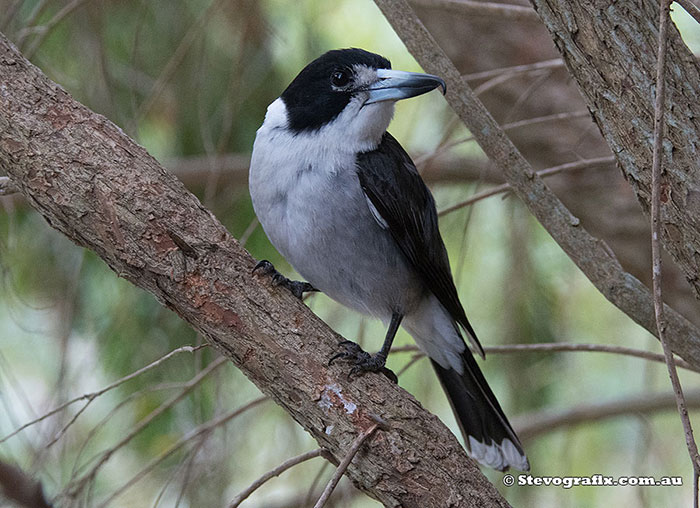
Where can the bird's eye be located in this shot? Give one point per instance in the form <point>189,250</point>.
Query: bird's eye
<point>340,78</point>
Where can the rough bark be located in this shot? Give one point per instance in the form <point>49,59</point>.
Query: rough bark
<point>106,193</point>
<point>591,255</point>
<point>610,50</point>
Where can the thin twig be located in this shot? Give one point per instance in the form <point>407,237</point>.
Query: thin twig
<point>499,189</point>
<point>656,191</point>
<point>532,425</point>
<point>344,465</point>
<point>193,434</point>
<point>500,11</point>
<point>556,347</point>
<point>75,486</point>
<point>504,78</point>
<point>98,426</point>
<point>410,363</point>
<point>10,14</point>
<point>527,122</point>
<point>554,63</point>
<point>44,30</point>
<point>91,396</point>
<point>30,22</point>
<point>249,231</point>
<point>175,60</point>
<point>287,464</point>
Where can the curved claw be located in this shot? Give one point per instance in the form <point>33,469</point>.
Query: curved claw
<point>265,266</point>
<point>347,344</point>
<point>297,288</point>
<point>362,361</point>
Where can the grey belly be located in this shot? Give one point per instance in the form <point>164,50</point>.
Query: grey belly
<point>330,237</point>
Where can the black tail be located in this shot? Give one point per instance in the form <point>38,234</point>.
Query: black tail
<point>487,434</point>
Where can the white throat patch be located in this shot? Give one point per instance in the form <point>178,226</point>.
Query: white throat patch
<point>358,128</point>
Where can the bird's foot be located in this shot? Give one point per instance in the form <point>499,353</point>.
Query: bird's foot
<point>362,361</point>
<point>297,288</point>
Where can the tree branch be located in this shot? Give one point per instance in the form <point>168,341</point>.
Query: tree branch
<point>591,255</point>
<point>515,70</point>
<point>657,167</point>
<point>342,467</point>
<point>287,464</point>
<point>106,193</point>
<point>499,189</point>
<point>480,8</point>
<point>557,347</point>
<point>93,395</point>
<point>533,425</point>
<point>192,434</point>
<point>613,61</point>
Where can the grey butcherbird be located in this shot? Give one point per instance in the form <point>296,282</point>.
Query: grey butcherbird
<point>344,204</point>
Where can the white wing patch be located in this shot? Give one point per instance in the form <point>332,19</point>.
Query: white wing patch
<point>375,213</point>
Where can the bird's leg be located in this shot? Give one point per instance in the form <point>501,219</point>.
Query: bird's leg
<point>365,362</point>
<point>298,288</point>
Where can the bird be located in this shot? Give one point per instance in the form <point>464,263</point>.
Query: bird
<point>343,203</point>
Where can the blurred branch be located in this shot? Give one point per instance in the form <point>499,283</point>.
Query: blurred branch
<point>88,437</point>
<point>109,195</point>
<point>533,425</point>
<point>499,189</point>
<point>615,77</point>
<point>191,435</point>
<point>76,485</point>
<point>7,187</point>
<point>287,464</point>
<point>306,501</point>
<point>594,348</point>
<point>515,70</point>
<point>595,259</point>
<point>10,14</point>
<point>232,168</point>
<point>43,31</point>
<point>17,486</point>
<point>478,8</point>
<point>37,11</point>
<point>527,122</point>
<point>557,347</point>
<point>92,396</point>
<point>185,44</point>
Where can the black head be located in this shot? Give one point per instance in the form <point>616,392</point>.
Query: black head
<point>325,86</point>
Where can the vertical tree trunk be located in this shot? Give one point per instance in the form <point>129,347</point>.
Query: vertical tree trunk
<point>610,50</point>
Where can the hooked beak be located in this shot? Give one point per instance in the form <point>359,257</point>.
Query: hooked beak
<point>397,85</point>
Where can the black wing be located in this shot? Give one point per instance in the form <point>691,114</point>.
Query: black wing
<point>406,208</point>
